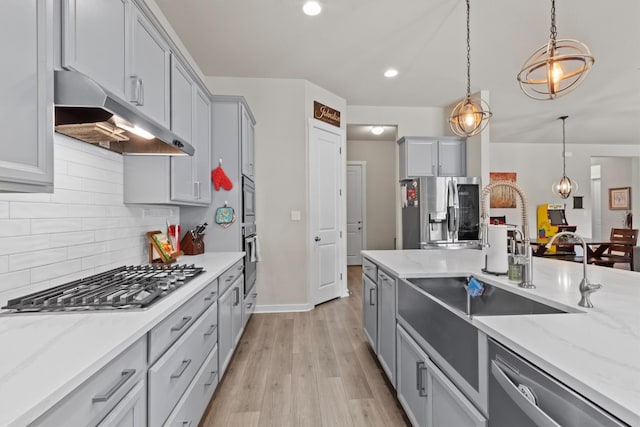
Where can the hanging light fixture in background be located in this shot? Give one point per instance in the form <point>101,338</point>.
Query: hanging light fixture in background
<point>472,114</point>
<point>556,68</point>
<point>564,187</point>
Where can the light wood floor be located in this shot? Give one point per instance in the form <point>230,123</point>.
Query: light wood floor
<point>306,369</point>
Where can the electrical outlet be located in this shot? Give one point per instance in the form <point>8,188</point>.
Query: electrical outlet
<point>295,216</point>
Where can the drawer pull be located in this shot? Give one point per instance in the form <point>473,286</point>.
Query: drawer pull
<point>183,367</point>
<point>228,279</point>
<point>182,324</point>
<point>255,294</point>
<point>239,268</point>
<point>371,291</point>
<point>211,296</point>
<point>211,379</point>
<point>237,292</point>
<point>186,424</point>
<point>211,330</point>
<point>124,377</point>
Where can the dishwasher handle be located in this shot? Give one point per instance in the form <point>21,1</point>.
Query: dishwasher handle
<point>531,410</point>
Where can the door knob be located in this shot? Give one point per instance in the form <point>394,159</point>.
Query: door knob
<point>359,228</point>
<point>317,239</point>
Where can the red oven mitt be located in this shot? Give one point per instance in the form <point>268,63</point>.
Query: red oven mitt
<point>220,179</point>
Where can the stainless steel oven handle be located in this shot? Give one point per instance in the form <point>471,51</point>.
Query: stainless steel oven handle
<point>124,377</point>
<point>183,367</point>
<point>182,324</point>
<point>532,411</point>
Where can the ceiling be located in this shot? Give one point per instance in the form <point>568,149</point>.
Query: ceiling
<point>351,43</point>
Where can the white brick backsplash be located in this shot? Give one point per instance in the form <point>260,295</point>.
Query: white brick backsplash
<point>58,225</point>
<point>37,210</point>
<point>14,227</point>
<point>83,228</point>
<point>20,244</point>
<point>4,209</point>
<point>58,269</point>
<point>36,258</point>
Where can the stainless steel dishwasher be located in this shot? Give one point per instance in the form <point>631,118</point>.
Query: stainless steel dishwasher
<point>522,395</point>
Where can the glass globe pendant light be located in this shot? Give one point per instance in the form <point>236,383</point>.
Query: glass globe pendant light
<point>556,68</point>
<point>472,114</point>
<point>564,187</point>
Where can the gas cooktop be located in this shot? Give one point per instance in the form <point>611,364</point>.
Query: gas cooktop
<point>126,287</point>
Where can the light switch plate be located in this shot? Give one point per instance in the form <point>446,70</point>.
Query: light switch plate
<point>295,215</point>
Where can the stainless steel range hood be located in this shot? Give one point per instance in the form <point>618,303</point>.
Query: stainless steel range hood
<point>86,111</point>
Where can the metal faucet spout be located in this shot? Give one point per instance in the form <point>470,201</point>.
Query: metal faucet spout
<point>586,288</point>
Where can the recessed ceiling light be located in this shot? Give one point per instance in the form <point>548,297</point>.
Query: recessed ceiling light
<point>391,73</point>
<point>377,130</point>
<point>312,8</point>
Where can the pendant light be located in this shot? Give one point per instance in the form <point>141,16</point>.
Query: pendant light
<point>564,186</point>
<point>472,114</point>
<point>556,68</point>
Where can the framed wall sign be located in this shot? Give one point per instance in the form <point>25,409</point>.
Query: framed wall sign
<point>620,198</point>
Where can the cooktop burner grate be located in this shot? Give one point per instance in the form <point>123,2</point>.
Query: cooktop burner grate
<point>124,287</point>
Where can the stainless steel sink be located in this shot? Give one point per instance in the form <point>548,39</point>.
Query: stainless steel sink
<point>494,301</point>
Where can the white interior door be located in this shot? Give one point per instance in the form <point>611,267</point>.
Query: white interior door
<point>325,210</point>
<point>356,208</point>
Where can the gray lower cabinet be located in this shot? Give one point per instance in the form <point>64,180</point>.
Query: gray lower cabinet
<point>230,321</point>
<point>249,306</point>
<point>428,397</point>
<point>387,324</point>
<point>26,105</point>
<point>370,311</point>
<point>131,411</point>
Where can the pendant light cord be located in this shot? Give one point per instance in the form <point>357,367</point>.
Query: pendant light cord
<point>554,30</point>
<point>564,156</point>
<point>469,53</point>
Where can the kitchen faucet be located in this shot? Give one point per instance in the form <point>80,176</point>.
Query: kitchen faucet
<point>586,288</point>
<point>527,279</point>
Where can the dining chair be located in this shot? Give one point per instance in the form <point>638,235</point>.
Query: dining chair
<point>621,250</point>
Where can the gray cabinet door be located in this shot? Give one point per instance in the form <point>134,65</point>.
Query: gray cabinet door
<point>247,141</point>
<point>447,405</point>
<point>202,142</point>
<point>370,311</point>
<point>26,105</point>
<point>411,383</point>
<point>452,158</point>
<point>131,411</point>
<point>182,184</point>
<point>225,329</point>
<point>387,324</point>
<point>418,157</point>
<point>237,310</point>
<point>94,40</point>
<point>149,79</point>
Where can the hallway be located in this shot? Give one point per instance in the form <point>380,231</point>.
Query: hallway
<point>312,368</point>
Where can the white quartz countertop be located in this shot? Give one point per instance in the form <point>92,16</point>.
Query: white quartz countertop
<point>43,357</point>
<point>594,351</point>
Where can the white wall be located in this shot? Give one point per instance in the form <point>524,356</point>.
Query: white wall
<point>615,172</point>
<point>81,229</point>
<point>381,197</point>
<point>282,108</point>
<point>540,165</point>
<point>410,121</point>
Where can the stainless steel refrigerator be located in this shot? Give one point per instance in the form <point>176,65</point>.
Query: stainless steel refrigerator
<point>440,212</point>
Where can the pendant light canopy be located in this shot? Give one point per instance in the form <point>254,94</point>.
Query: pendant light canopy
<point>472,114</point>
<point>556,68</point>
<point>564,186</point>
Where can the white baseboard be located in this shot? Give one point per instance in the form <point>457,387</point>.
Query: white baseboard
<point>283,308</point>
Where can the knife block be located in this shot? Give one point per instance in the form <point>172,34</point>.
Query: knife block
<point>191,245</point>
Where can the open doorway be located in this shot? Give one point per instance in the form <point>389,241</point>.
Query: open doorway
<point>378,152</point>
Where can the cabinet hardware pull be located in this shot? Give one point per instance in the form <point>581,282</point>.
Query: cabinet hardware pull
<point>237,292</point>
<point>183,367</point>
<point>141,94</point>
<point>186,423</point>
<point>249,305</point>
<point>433,169</point>
<point>228,279</point>
<point>182,324</point>
<point>255,294</point>
<point>371,296</point>
<point>211,330</point>
<point>420,383</point>
<point>211,296</point>
<point>439,169</point>
<point>212,378</point>
<point>124,377</point>
<point>240,268</point>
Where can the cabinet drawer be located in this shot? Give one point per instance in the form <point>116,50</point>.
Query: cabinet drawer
<point>97,396</point>
<point>249,306</point>
<point>171,328</point>
<point>172,373</point>
<point>191,406</point>
<point>230,276</point>
<point>132,409</point>
<point>370,269</point>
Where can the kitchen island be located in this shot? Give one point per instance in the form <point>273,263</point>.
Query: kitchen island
<point>593,351</point>
<point>45,357</point>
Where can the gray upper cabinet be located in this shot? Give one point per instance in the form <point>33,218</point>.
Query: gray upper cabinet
<point>181,99</point>
<point>248,142</point>
<point>26,105</point>
<point>149,77</point>
<point>95,40</point>
<point>432,156</point>
<point>202,143</point>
